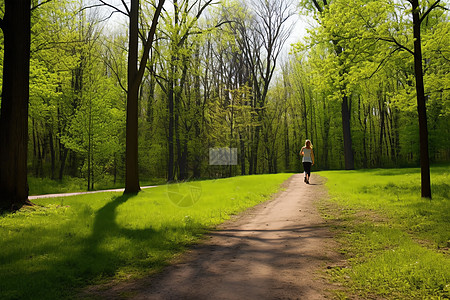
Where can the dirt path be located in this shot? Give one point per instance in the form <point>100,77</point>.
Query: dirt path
<point>272,251</point>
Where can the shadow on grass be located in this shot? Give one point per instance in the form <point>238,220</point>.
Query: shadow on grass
<point>64,260</point>
<point>104,261</point>
<point>235,263</point>
<point>426,218</point>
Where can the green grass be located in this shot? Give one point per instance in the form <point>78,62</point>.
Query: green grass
<point>41,186</point>
<point>395,242</point>
<point>53,250</point>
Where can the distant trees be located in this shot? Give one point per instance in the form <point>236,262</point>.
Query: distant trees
<point>260,35</point>
<point>331,31</point>
<point>109,103</point>
<point>181,23</point>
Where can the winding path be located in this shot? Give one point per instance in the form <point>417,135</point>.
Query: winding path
<point>275,250</point>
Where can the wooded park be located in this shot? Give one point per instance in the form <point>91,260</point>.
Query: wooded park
<point>147,97</point>
<point>102,94</point>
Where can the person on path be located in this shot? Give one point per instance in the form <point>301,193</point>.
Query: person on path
<point>308,159</point>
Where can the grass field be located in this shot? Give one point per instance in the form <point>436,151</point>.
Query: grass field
<point>395,242</point>
<point>52,250</point>
<point>41,186</point>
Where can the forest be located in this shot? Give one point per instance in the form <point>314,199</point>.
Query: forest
<point>123,91</point>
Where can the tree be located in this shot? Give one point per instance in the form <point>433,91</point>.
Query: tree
<point>419,14</point>
<point>14,106</point>
<point>323,9</point>
<point>420,94</point>
<point>135,75</point>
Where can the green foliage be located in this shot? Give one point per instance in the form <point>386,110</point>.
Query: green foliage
<point>78,75</point>
<point>362,49</point>
<point>396,243</point>
<point>64,244</point>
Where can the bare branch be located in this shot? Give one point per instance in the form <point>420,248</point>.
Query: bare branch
<point>42,3</point>
<point>126,7</point>
<point>200,11</point>
<point>382,62</point>
<point>317,5</point>
<point>158,79</point>
<point>433,6</point>
<point>393,40</point>
<point>111,6</point>
<point>114,69</point>
<point>149,43</point>
<point>102,5</point>
<point>117,76</point>
<point>442,55</point>
<point>109,17</point>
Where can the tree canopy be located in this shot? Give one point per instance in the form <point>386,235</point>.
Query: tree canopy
<point>149,95</point>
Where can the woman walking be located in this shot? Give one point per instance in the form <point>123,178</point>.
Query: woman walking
<point>308,159</point>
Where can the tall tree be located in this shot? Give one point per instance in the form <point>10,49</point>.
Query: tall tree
<point>135,75</point>
<point>345,111</point>
<point>420,12</point>
<point>420,94</point>
<point>14,105</point>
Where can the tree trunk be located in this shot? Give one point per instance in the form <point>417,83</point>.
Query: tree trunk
<point>304,112</point>
<point>131,159</point>
<point>170,136</point>
<point>197,121</point>
<point>151,93</point>
<point>254,151</point>
<point>52,153</point>
<point>380,143</point>
<point>326,135</point>
<point>242,153</point>
<point>348,149</point>
<point>89,152</point>
<point>421,103</point>
<point>134,81</point>
<point>63,163</point>
<point>363,125</point>
<point>14,105</point>
<point>179,150</point>
<point>287,153</point>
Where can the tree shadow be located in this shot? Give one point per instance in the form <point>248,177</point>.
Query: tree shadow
<point>73,255</point>
<point>220,263</point>
<point>105,227</point>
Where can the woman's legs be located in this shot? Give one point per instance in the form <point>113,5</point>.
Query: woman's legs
<point>307,168</point>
